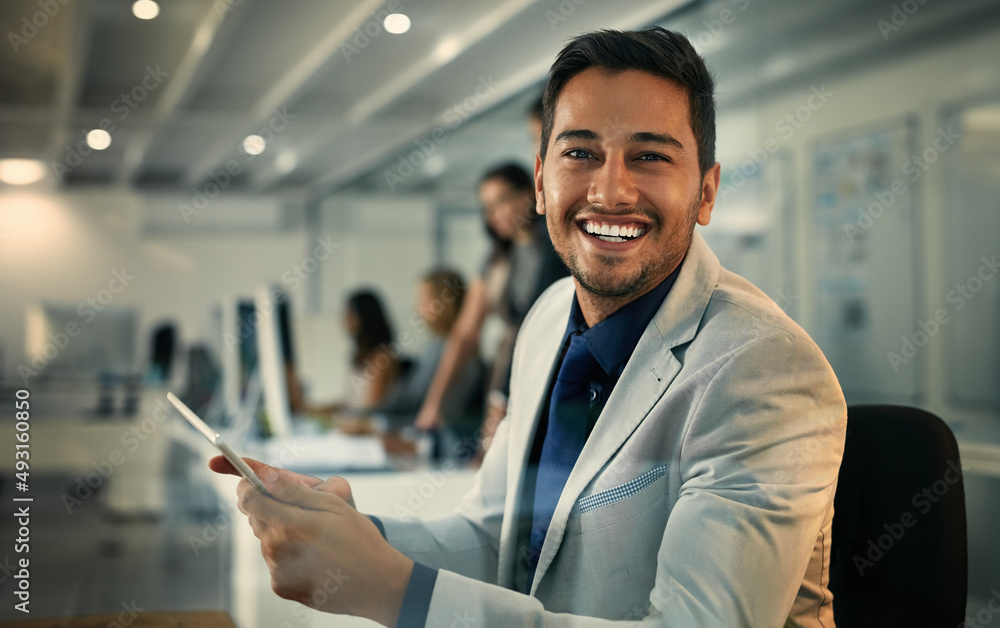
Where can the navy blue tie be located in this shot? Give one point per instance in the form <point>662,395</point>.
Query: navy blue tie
<point>565,436</point>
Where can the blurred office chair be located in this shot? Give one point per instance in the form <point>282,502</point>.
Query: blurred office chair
<point>899,532</point>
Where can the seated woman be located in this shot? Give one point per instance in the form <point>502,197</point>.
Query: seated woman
<point>439,299</point>
<point>374,367</point>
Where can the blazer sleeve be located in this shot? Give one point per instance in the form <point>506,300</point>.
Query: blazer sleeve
<point>759,463</point>
<point>468,541</point>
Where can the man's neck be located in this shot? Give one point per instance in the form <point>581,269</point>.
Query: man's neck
<point>596,308</point>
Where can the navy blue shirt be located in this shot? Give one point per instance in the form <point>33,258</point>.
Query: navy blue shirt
<point>612,342</point>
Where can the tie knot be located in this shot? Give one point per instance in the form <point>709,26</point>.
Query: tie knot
<point>579,364</point>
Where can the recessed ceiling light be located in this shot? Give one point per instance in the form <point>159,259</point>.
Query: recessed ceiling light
<point>98,139</point>
<point>286,162</point>
<point>145,9</point>
<point>21,171</point>
<point>435,166</point>
<point>396,23</point>
<point>254,144</point>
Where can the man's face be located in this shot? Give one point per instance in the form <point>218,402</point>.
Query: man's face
<point>620,186</point>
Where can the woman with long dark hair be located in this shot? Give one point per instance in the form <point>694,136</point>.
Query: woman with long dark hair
<point>374,366</point>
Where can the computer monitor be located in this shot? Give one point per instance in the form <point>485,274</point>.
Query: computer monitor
<point>239,358</point>
<point>272,315</point>
<point>70,341</point>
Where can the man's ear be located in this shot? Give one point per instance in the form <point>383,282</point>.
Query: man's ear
<point>539,187</point>
<point>709,190</point>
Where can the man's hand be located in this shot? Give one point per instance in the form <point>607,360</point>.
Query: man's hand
<point>320,550</point>
<point>335,485</point>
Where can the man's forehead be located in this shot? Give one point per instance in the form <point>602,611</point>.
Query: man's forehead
<point>625,102</point>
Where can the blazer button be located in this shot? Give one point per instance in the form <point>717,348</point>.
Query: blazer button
<point>593,394</point>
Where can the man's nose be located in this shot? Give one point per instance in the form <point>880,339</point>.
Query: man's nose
<point>613,185</point>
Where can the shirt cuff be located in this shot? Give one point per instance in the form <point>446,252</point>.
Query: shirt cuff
<point>417,601</point>
<point>378,524</point>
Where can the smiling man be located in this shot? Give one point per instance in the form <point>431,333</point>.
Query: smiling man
<point>672,443</point>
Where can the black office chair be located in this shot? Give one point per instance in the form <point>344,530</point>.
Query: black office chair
<point>899,536</point>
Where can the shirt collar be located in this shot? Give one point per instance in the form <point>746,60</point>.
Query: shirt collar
<point>613,340</point>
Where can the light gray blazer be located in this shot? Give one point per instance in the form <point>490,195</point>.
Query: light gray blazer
<point>703,496</point>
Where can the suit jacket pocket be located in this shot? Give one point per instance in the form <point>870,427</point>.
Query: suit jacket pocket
<point>621,503</point>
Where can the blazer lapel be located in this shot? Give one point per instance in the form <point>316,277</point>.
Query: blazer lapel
<point>542,339</point>
<point>646,377</point>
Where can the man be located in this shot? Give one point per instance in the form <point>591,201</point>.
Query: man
<point>672,443</point>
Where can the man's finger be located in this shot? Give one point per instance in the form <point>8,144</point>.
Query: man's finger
<point>290,490</point>
<point>220,464</point>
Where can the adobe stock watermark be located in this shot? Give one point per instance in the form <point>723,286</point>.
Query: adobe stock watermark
<point>787,126</point>
<point>222,7</point>
<point>87,310</point>
<point>985,615</point>
<point>220,179</point>
<point>900,15</point>
<point>924,501</point>
<point>293,278</point>
<point>334,582</point>
<point>958,297</point>
<point>454,116</point>
<point>372,28</point>
<point>127,616</point>
<point>33,24</point>
<point>914,168</point>
<point>715,26</point>
<point>785,298</point>
<point>123,107</point>
<point>132,440</point>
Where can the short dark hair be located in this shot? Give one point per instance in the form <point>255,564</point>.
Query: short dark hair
<point>655,50</point>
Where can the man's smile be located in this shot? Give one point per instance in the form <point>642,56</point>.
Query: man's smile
<point>613,229</point>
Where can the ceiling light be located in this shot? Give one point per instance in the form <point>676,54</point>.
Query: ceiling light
<point>286,162</point>
<point>396,23</point>
<point>98,139</point>
<point>21,171</point>
<point>254,144</point>
<point>435,166</point>
<point>145,9</point>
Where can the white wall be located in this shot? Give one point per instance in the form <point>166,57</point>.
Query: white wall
<point>920,85</point>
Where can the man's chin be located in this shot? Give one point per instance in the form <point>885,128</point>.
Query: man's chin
<point>611,287</point>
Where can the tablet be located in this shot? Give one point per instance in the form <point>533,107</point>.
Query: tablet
<point>216,439</point>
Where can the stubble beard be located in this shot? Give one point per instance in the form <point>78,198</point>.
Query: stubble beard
<point>608,285</point>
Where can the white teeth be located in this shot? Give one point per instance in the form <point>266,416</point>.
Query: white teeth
<point>614,233</point>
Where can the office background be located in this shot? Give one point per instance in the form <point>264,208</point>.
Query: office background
<point>859,141</point>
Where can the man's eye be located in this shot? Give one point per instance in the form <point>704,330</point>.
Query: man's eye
<point>653,157</point>
<point>577,153</point>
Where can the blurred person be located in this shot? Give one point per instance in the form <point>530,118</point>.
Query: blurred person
<point>520,266</point>
<point>440,294</point>
<point>535,122</point>
<point>374,366</point>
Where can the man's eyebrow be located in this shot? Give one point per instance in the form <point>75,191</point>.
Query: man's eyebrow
<point>576,134</point>
<point>646,137</point>
<point>641,137</point>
